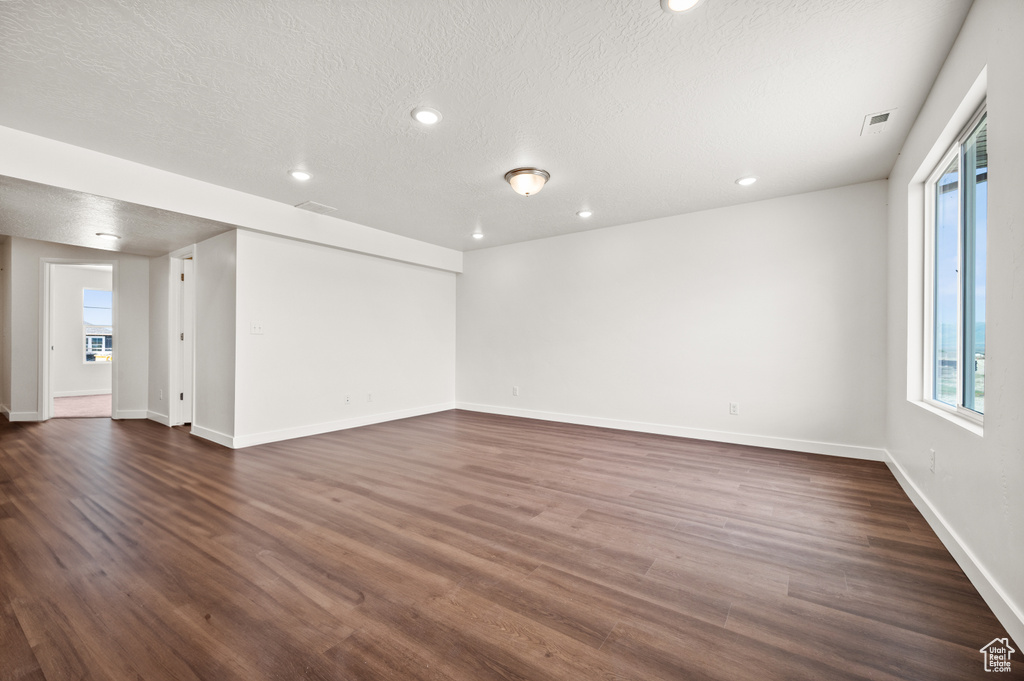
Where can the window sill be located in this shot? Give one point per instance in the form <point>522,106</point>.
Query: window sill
<point>953,417</point>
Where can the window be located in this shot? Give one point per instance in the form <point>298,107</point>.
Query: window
<point>98,325</point>
<point>957,194</point>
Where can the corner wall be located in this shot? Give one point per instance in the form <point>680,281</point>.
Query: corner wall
<point>5,325</point>
<point>159,339</point>
<point>973,499</point>
<point>216,286</point>
<point>657,326</point>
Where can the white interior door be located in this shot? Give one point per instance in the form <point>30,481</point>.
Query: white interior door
<point>187,339</point>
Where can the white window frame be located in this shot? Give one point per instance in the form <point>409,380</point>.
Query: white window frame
<point>954,151</point>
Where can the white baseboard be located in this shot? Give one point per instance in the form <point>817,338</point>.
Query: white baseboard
<point>130,414</point>
<point>80,393</point>
<point>807,446</point>
<point>163,419</point>
<point>212,435</point>
<point>1008,614</point>
<point>5,411</point>
<point>13,416</point>
<point>318,428</point>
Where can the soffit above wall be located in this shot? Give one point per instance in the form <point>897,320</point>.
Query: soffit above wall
<point>45,213</point>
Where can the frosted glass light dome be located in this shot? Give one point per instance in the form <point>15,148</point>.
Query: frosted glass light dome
<point>527,181</point>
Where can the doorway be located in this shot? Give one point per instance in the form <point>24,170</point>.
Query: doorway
<point>80,340</point>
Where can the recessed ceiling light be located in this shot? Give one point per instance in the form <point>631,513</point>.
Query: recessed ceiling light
<point>426,115</point>
<point>478,235</point>
<point>300,175</point>
<point>107,235</point>
<point>585,213</point>
<point>679,5</point>
<point>746,181</point>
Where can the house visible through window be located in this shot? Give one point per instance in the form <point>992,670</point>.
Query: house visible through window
<point>958,192</point>
<point>98,325</point>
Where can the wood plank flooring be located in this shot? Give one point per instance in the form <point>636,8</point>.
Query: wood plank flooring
<point>462,546</point>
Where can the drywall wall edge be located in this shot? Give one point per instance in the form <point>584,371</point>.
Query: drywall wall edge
<point>1005,610</point>
<point>46,161</point>
<point>771,442</point>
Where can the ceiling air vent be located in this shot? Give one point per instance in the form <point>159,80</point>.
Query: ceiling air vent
<point>315,207</point>
<point>876,122</point>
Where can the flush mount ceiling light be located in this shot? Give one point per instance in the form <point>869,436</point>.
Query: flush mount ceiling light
<point>527,181</point>
<point>426,115</point>
<point>585,213</point>
<point>746,181</point>
<point>675,6</point>
<point>107,235</point>
<point>300,175</point>
<point>478,235</point>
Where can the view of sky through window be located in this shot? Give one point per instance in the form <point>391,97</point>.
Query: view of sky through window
<point>98,308</point>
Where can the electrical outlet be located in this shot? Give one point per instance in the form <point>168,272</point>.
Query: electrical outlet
<point>369,397</point>
<point>734,408</point>
<point>256,328</point>
<point>348,399</point>
<point>931,460</point>
<point>161,393</point>
<point>515,391</point>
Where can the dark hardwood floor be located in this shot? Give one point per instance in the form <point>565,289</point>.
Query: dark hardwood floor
<point>463,546</point>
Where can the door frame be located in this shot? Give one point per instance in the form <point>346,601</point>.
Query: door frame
<point>44,405</point>
<point>174,319</point>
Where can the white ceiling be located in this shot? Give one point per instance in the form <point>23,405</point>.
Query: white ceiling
<point>636,113</point>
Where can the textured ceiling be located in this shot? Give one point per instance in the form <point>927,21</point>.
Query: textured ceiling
<point>636,113</point>
<point>39,211</point>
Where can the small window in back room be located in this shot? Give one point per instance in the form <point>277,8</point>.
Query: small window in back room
<point>98,325</point>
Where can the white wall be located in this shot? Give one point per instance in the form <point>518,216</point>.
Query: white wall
<point>214,405</point>
<point>657,326</point>
<point>72,375</point>
<point>5,325</point>
<point>336,323</point>
<point>132,302</point>
<point>974,497</point>
<point>159,339</point>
